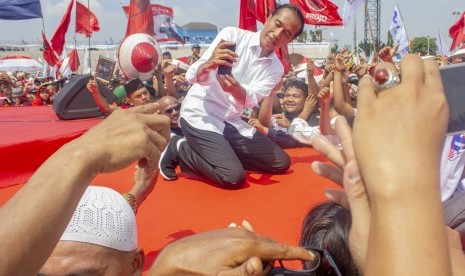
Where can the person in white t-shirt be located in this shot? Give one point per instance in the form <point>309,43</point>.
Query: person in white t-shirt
<point>220,145</point>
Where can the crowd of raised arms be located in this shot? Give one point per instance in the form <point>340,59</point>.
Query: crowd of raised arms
<point>390,217</point>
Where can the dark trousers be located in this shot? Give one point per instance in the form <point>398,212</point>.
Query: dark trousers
<point>223,158</point>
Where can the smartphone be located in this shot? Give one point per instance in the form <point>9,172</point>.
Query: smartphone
<point>453,80</point>
<point>223,69</point>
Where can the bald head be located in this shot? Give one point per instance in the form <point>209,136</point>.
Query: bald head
<point>170,107</point>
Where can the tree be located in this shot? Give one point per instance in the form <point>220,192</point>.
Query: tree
<point>424,46</point>
<point>316,35</point>
<point>366,46</point>
<point>390,41</point>
<point>302,37</point>
<point>335,48</point>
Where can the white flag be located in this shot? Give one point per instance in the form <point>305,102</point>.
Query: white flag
<point>442,47</point>
<point>350,7</point>
<point>399,33</point>
<point>45,70</point>
<point>86,67</point>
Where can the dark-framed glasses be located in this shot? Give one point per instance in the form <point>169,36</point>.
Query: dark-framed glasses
<point>176,107</point>
<point>297,267</point>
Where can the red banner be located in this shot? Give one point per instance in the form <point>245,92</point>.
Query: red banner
<point>318,12</point>
<point>247,18</point>
<point>163,23</point>
<point>74,60</point>
<point>86,21</point>
<point>263,9</point>
<point>140,19</point>
<point>456,32</point>
<point>47,52</point>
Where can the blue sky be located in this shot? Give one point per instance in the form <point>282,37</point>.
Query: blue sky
<point>422,18</point>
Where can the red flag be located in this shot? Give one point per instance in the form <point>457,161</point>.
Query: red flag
<point>86,21</point>
<point>140,18</point>
<point>47,52</point>
<point>263,9</point>
<point>247,18</point>
<point>456,32</point>
<point>58,38</point>
<point>318,12</point>
<point>74,59</point>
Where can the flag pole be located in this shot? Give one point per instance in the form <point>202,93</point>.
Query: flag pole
<point>88,28</point>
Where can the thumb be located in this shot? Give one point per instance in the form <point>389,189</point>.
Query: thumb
<point>356,195</point>
<point>251,267</point>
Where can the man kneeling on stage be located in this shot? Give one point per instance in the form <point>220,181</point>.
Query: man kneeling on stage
<point>220,145</point>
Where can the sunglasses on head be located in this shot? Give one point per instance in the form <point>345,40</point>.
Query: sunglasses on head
<point>176,107</point>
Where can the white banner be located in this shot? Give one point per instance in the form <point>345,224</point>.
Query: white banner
<point>398,32</point>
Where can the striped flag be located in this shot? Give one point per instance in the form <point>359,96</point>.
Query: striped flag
<point>398,32</point>
<point>442,47</point>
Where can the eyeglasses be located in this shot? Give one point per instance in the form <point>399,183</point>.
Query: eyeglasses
<point>322,257</point>
<point>176,107</point>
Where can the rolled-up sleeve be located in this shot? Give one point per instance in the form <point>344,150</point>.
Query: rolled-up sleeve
<point>302,132</point>
<point>262,88</point>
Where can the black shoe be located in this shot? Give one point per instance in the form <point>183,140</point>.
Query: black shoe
<point>169,159</point>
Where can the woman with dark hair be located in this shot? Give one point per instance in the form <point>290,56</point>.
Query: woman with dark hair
<point>327,227</point>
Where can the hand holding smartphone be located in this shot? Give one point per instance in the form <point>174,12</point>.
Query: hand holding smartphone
<point>223,69</point>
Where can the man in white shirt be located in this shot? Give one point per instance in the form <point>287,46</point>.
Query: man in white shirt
<point>219,144</point>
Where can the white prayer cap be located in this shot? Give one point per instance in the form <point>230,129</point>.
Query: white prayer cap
<point>103,217</point>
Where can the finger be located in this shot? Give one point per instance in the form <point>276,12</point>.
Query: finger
<point>251,267</point>
<point>344,133</point>
<point>232,225</point>
<point>227,57</point>
<point>157,143</point>
<point>337,196</point>
<point>328,149</point>
<point>365,92</point>
<point>267,249</point>
<point>357,197</point>
<point>230,79</point>
<point>156,122</point>
<point>432,76</point>
<point>328,171</point>
<point>150,108</point>
<point>156,140</point>
<point>411,67</point>
<point>247,226</point>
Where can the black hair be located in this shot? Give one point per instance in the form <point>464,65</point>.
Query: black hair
<point>296,11</point>
<point>297,84</point>
<point>166,53</point>
<point>327,226</point>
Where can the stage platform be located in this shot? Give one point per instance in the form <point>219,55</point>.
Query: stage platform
<point>29,135</point>
<point>274,204</point>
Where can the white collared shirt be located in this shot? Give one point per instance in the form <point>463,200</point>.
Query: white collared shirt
<point>208,107</point>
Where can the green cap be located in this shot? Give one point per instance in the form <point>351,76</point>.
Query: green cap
<point>120,93</point>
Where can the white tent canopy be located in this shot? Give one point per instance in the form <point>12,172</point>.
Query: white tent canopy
<point>19,63</point>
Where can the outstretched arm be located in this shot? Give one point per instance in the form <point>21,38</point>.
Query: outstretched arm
<point>341,106</point>
<point>101,102</point>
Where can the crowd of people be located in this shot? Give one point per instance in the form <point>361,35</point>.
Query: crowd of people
<point>401,200</point>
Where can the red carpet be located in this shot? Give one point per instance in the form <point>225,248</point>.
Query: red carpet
<point>274,204</point>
